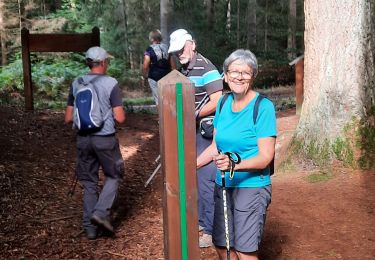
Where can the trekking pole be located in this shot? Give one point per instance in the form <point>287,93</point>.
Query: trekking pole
<point>226,225</point>
<point>152,175</point>
<point>234,158</point>
<point>197,110</point>
<point>154,172</point>
<point>225,206</point>
<point>73,186</point>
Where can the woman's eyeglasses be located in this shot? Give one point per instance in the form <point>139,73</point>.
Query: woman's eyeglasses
<point>236,74</point>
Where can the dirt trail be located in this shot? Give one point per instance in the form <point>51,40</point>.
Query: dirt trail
<point>334,219</point>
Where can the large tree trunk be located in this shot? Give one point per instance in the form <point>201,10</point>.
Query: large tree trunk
<point>292,15</point>
<point>238,23</point>
<point>228,21</point>
<point>251,24</point>
<point>210,13</point>
<point>165,18</point>
<point>266,27</point>
<point>3,35</point>
<point>124,14</point>
<point>338,108</point>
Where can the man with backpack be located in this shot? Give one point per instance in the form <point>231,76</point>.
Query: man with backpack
<point>208,90</point>
<point>94,105</point>
<point>156,62</point>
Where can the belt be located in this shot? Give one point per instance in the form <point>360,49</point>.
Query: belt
<point>109,135</point>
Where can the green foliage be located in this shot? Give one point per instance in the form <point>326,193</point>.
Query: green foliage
<point>11,77</point>
<point>366,141</point>
<point>139,101</point>
<point>51,78</point>
<point>319,153</point>
<point>124,27</point>
<point>343,151</point>
<point>319,177</point>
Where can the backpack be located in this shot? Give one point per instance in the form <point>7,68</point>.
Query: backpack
<point>255,115</point>
<point>161,56</point>
<point>88,117</point>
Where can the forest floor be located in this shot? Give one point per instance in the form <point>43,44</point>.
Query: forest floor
<point>330,219</point>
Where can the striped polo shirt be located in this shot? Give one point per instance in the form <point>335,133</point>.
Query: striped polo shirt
<point>204,74</point>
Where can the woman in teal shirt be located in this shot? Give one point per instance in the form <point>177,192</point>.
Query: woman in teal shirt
<point>247,181</point>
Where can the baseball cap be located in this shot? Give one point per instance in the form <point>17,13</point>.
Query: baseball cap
<point>178,39</point>
<point>97,54</point>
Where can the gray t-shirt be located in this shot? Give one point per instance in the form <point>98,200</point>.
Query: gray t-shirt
<point>109,95</point>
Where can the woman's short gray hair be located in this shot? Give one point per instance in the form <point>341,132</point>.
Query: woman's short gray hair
<point>245,57</point>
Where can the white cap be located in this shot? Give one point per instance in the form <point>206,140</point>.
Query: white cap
<point>97,54</point>
<point>178,39</point>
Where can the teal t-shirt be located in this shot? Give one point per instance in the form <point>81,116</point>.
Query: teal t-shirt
<point>236,132</point>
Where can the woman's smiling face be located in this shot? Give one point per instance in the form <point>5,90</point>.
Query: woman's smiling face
<point>239,77</point>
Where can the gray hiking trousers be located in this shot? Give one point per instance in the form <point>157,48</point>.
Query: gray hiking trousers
<point>93,152</point>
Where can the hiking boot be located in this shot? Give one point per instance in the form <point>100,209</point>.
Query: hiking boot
<point>205,241</point>
<point>91,234</point>
<point>96,220</point>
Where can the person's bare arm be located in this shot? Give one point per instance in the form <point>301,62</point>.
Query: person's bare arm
<point>119,114</point>
<point>210,106</point>
<point>208,154</point>
<point>69,114</point>
<point>146,65</point>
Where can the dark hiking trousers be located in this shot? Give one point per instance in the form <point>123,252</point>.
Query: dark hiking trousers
<point>93,152</point>
<point>206,186</point>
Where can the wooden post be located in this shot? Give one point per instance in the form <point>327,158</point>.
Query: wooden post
<point>95,36</point>
<point>299,85</point>
<point>63,42</point>
<point>27,82</point>
<point>178,158</point>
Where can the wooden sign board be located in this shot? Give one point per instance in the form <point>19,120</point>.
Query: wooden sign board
<point>51,43</point>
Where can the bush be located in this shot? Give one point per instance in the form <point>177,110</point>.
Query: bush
<point>11,77</point>
<point>51,78</point>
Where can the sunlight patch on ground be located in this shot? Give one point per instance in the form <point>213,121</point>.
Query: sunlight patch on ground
<point>128,150</point>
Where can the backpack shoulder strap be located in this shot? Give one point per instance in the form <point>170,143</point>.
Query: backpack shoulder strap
<point>255,115</point>
<point>224,98</point>
<point>256,107</point>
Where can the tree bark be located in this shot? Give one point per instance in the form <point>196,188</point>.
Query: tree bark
<point>292,15</point>
<point>3,35</point>
<point>339,78</point>
<point>165,18</point>
<point>228,22</point>
<point>238,23</point>
<point>251,24</point>
<point>125,21</point>
<point>266,27</point>
<point>210,13</point>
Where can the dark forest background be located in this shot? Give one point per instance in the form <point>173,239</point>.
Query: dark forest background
<point>272,29</point>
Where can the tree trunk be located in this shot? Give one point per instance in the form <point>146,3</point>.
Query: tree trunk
<point>125,21</point>
<point>210,13</point>
<point>266,27</point>
<point>238,24</point>
<point>339,103</point>
<point>251,24</point>
<point>292,15</point>
<point>3,35</point>
<point>227,25</point>
<point>165,18</point>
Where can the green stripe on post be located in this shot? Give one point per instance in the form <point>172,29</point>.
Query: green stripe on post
<point>181,170</point>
